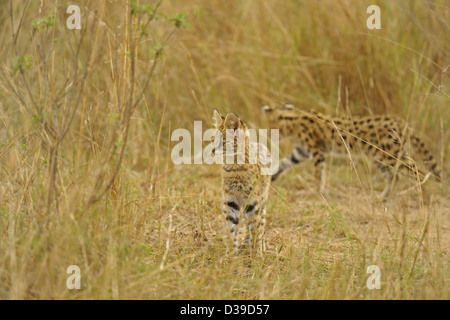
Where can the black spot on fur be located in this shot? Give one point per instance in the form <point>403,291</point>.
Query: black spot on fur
<point>249,208</point>
<point>233,205</point>
<point>294,159</point>
<point>233,220</point>
<point>287,118</point>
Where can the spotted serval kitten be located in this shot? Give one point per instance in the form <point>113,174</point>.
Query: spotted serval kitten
<point>380,136</point>
<point>245,189</point>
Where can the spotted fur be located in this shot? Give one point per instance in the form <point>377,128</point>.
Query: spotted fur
<point>245,189</point>
<point>380,136</point>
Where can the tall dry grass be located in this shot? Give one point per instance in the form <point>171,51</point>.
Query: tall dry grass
<point>86,177</point>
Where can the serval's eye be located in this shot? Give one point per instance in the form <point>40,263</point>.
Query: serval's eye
<point>217,148</point>
<point>220,144</point>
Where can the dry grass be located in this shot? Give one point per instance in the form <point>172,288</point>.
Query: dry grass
<point>86,176</point>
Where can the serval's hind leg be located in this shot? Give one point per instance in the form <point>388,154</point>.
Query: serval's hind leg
<point>389,166</point>
<point>388,178</point>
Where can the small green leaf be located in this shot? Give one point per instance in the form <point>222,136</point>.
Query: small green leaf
<point>22,63</point>
<point>180,20</point>
<point>118,144</point>
<point>139,9</point>
<point>47,22</point>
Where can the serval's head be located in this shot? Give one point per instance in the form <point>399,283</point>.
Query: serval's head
<point>275,115</point>
<point>232,125</point>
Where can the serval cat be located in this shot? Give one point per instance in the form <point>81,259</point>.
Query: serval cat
<point>380,136</point>
<point>245,189</point>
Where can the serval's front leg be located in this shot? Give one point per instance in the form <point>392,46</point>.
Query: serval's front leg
<point>299,154</point>
<point>256,220</point>
<point>231,210</point>
<point>260,231</point>
<point>251,217</point>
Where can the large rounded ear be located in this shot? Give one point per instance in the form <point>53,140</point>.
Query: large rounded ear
<point>232,121</point>
<point>217,119</point>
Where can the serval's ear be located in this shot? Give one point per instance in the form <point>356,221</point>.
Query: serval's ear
<point>232,121</point>
<point>289,106</point>
<point>217,119</point>
<point>266,108</point>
